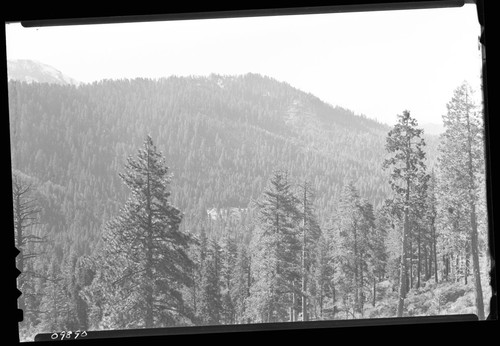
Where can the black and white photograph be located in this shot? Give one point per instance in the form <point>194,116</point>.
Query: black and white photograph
<point>248,170</point>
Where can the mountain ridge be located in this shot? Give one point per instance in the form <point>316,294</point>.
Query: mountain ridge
<point>35,71</point>
<point>221,136</point>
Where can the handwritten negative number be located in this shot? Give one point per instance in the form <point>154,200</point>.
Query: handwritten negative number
<point>68,335</point>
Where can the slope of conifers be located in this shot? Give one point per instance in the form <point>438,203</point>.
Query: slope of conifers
<point>222,137</point>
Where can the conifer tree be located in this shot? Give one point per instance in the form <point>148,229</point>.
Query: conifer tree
<point>408,178</point>
<point>322,276</point>
<point>378,250</point>
<point>198,254</point>
<point>55,305</point>
<point>431,214</point>
<point>241,286</point>
<point>144,252</point>
<point>83,278</point>
<point>461,167</point>
<point>356,221</point>
<point>26,215</point>
<point>275,248</point>
<point>309,233</point>
<point>210,296</point>
<point>228,265</point>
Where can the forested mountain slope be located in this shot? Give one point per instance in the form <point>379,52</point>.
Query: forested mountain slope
<point>272,191</point>
<point>222,137</point>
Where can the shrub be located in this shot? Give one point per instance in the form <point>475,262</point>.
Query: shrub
<point>385,289</point>
<point>463,305</point>
<point>451,293</point>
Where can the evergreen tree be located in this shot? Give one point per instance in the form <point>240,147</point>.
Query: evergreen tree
<point>275,249</point>
<point>83,278</point>
<point>323,284</point>
<point>197,253</point>
<point>55,305</point>
<point>241,287</point>
<point>229,252</point>
<point>26,216</point>
<point>431,219</point>
<point>356,222</point>
<point>461,167</point>
<point>309,233</point>
<point>408,178</point>
<point>210,296</point>
<point>419,233</point>
<point>144,251</point>
<point>378,250</point>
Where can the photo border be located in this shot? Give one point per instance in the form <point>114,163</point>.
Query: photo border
<point>41,15</point>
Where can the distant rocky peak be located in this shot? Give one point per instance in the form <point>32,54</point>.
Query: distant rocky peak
<point>32,71</point>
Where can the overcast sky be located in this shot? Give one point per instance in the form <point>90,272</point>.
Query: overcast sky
<point>374,63</point>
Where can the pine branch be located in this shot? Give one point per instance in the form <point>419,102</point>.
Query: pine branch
<point>128,275</point>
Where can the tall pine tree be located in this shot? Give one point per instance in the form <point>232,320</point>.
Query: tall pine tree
<point>144,252</point>
<point>210,303</point>
<point>408,178</point>
<point>462,171</point>
<point>275,252</point>
<point>240,290</point>
<point>356,223</point>
<point>309,233</point>
<point>26,215</point>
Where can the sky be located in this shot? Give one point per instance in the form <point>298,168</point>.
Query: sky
<point>376,63</point>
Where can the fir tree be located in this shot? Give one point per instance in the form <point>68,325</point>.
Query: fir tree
<point>309,233</point>
<point>378,250</point>
<point>228,264</point>
<point>26,216</point>
<point>275,248</point>
<point>240,289</point>
<point>356,221</point>
<point>322,283</point>
<point>461,167</point>
<point>408,178</point>
<point>55,305</point>
<point>210,303</point>
<point>145,253</point>
<point>431,216</point>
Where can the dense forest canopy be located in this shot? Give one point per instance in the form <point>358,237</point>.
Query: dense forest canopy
<point>221,135</point>
<point>238,199</point>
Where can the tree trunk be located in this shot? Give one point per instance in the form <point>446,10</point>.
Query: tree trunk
<point>410,265</point>
<point>449,267</point>
<point>194,299</point>
<point>356,287</point>
<point>445,265</point>
<point>473,219</point>
<point>402,268</point>
<point>403,274</point>
<point>361,281</point>
<point>148,320</point>
<point>475,264</point>
<point>374,291</point>
<point>20,245</point>
<point>427,263</point>
<point>305,317</point>
<point>466,261</point>
<point>334,296</point>
<point>419,258</point>
<point>434,252</point>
